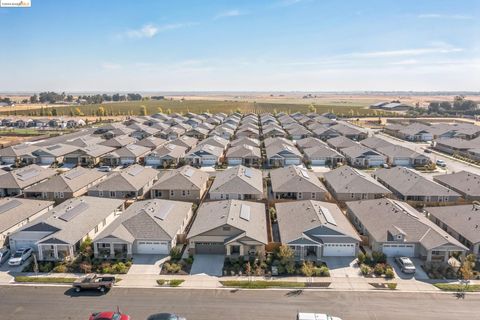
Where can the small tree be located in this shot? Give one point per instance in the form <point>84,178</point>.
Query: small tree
<point>86,247</point>
<point>160,110</point>
<point>143,110</point>
<point>272,213</point>
<point>86,267</point>
<point>285,254</point>
<point>308,269</point>
<point>248,269</point>
<point>466,270</point>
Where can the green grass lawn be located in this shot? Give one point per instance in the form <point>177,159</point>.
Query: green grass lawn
<point>198,106</point>
<point>44,279</point>
<point>458,287</point>
<point>261,284</point>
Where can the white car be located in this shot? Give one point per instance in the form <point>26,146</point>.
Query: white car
<point>105,168</point>
<point>315,316</point>
<point>441,163</point>
<point>406,265</point>
<point>20,256</point>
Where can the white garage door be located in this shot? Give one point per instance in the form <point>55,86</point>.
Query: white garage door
<point>318,162</point>
<point>152,247</point>
<point>375,162</point>
<point>152,162</point>
<point>208,162</point>
<point>292,161</point>
<point>47,160</point>
<point>127,161</point>
<point>339,250</point>
<point>402,162</point>
<point>399,250</point>
<point>234,162</point>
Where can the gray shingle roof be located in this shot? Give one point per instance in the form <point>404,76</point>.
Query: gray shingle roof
<point>341,142</point>
<point>380,216</point>
<point>409,183</point>
<point>184,178</point>
<point>15,210</point>
<point>346,179</point>
<point>238,180</point>
<point>243,151</point>
<point>214,214</point>
<point>143,220</point>
<point>26,176</point>
<point>295,179</point>
<point>464,219</point>
<point>132,178</point>
<point>299,217</point>
<point>465,182</point>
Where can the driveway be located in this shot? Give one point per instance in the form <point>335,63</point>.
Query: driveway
<point>420,274</point>
<point>344,267</point>
<point>147,263</point>
<point>207,264</point>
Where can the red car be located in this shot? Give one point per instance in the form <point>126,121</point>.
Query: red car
<point>109,315</point>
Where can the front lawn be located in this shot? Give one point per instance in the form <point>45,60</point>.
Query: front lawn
<point>261,284</point>
<point>458,287</point>
<point>26,279</point>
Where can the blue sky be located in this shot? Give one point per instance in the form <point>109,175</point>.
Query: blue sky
<point>281,45</point>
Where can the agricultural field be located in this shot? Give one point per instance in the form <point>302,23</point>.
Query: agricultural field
<point>196,106</point>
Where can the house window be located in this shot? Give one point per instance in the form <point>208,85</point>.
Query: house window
<point>100,193</point>
<point>172,193</point>
<point>184,193</point>
<point>158,193</point>
<point>313,195</point>
<point>112,194</point>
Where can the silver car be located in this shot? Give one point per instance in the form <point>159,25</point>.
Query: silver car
<point>406,265</point>
<point>4,255</point>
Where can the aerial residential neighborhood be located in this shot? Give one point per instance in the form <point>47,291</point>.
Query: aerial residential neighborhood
<point>277,159</point>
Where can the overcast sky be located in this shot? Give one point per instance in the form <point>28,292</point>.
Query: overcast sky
<point>304,45</point>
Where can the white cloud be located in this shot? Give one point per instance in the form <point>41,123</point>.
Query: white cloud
<point>407,52</point>
<point>229,13</point>
<point>444,16</point>
<point>151,30</point>
<point>286,3</point>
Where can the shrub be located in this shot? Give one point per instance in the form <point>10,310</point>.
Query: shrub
<point>175,282</point>
<point>290,268</point>
<point>61,268</point>
<point>379,269</point>
<point>86,267</point>
<point>365,270</point>
<point>161,282</point>
<point>389,273</point>
<point>361,258</point>
<point>45,267</point>
<point>379,257</point>
<point>175,253</point>
<point>307,269</point>
<point>321,271</point>
<point>105,267</point>
<point>392,285</point>
<point>119,267</point>
<point>172,267</point>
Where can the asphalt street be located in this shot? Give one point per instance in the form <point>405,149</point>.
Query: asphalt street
<point>29,302</point>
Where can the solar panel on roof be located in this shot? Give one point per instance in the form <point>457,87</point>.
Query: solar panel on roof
<point>72,212</point>
<point>248,172</point>
<point>305,174</point>
<point>189,173</point>
<point>54,147</point>
<point>135,170</point>
<point>28,174</point>
<point>74,174</point>
<point>163,211</point>
<point>328,216</point>
<point>245,212</point>
<point>9,205</point>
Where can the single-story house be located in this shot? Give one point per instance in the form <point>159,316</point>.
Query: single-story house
<point>185,183</point>
<point>347,184</point>
<point>215,141</point>
<point>402,156</point>
<point>151,142</point>
<point>119,141</point>
<point>229,227</point>
<point>461,222</point>
<point>87,156</point>
<point>71,184</point>
<point>408,185</point>
<point>204,155</point>
<point>198,133</point>
<point>309,142</point>
<point>132,182</point>
<point>146,227</point>
<point>185,141</point>
<point>341,142</point>
<point>13,183</point>
<point>245,155</point>
<point>237,183</point>
<point>349,131</point>
<point>53,153</point>
<point>58,234</point>
<point>16,153</point>
<point>245,141</point>
<point>315,230</point>
<point>397,229</point>
<point>164,156</point>
<point>279,155</point>
<point>16,212</point>
<point>322,155</point>
<point>467,184</point>
<point>129,154</point>
<point>363,157</point>
<point>295,183</point>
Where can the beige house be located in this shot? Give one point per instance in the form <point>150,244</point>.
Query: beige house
<point>229,227</point>
<point>185,184</point>
<point>295,183</point>
<point>14,182</point>
<point>71,184</point>
<point>237,183</point>
<point>16,212</point>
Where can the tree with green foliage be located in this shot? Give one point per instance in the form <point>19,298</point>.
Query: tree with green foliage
<point>308,269</point>
<point>311,108</point>
<point>100,111</point>
<point>143,110</point>
<point>159,110</point>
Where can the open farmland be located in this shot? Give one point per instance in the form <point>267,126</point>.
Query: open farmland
<point>183,106</point>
